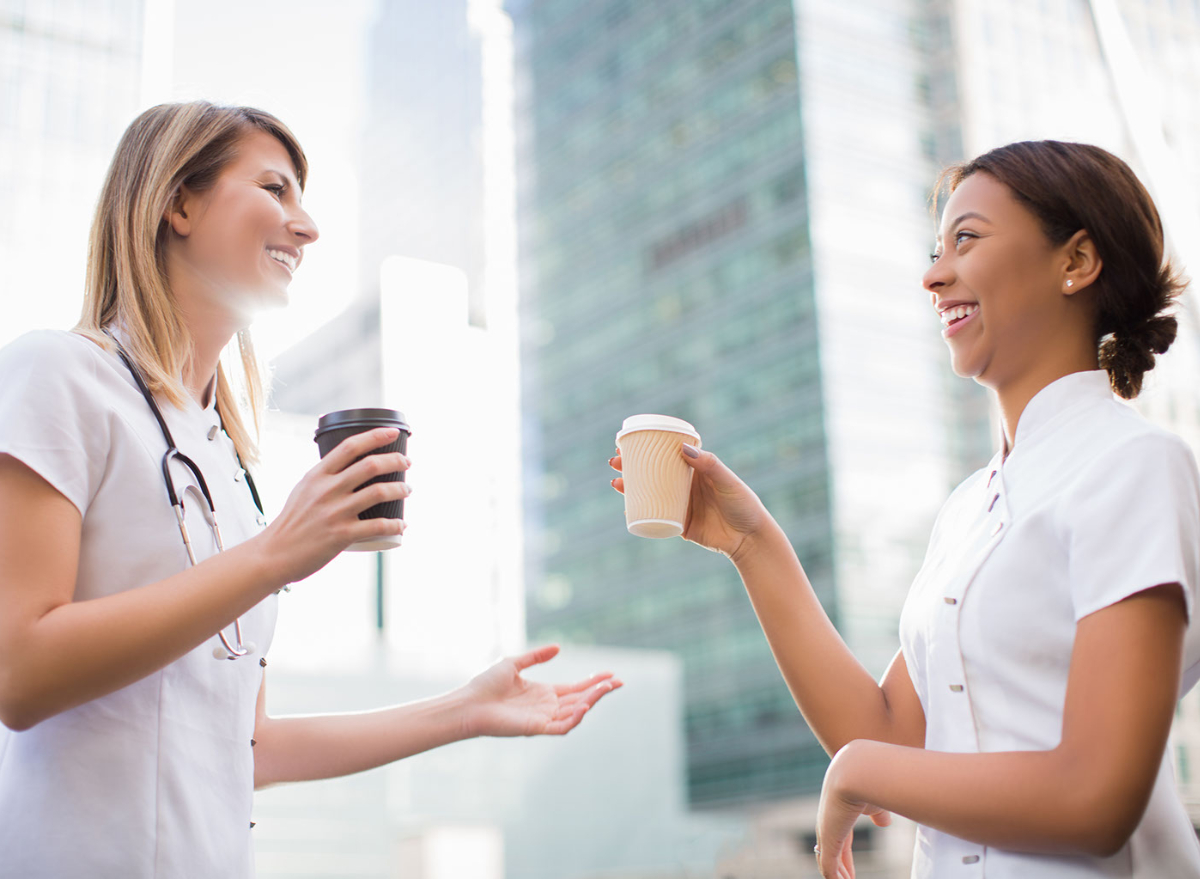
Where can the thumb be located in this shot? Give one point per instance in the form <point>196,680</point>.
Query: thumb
<point>535,657</point>
<point>708,464</point>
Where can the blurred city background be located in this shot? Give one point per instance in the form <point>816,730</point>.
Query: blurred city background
<point>538,217</point>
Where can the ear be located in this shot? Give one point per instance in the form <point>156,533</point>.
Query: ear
<point>1082,264</point>
<point>177,213</point>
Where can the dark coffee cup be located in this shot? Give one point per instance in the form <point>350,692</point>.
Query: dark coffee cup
<point>334,427</point>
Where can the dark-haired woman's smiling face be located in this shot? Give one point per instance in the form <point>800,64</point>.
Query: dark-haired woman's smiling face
<point>997,283</point>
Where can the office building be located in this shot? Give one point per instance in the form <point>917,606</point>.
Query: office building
<point>722,218</point>
<point>72,76</point>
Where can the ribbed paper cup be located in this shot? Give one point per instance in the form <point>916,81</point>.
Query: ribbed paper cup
<point>658,481</point>
<point>335,427</point>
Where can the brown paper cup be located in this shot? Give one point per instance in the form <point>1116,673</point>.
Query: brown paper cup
<point>657,480</point>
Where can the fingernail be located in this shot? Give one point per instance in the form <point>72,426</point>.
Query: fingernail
<point>610,460</point>
<point>613,482</point>
<point>691,451</point>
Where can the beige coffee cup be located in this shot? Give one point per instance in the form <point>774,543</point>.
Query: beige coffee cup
<point>657,480</point>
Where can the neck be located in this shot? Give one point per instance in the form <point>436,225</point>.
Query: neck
<point>1014,395</point>
<point>199,374</point>
<point>210,326</point>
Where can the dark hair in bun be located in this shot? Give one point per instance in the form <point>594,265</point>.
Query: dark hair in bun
<point>1073,186</point>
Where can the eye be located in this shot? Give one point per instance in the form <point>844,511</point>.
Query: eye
<point>933,257</point>
<point>959,236</point>
<point>277,189</point>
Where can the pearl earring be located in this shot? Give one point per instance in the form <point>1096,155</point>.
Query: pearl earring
<point>1070,283</point>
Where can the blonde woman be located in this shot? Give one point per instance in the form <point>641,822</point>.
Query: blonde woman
<point>132,683</point>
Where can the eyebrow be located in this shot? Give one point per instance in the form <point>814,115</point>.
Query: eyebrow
<point>969,215</point>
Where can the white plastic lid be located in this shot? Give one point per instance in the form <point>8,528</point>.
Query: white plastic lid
<point>657,422</point>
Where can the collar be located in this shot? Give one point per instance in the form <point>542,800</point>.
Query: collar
<point>117,331</point>
<point>1061,394</point>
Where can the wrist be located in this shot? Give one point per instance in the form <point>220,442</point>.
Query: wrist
<point>766,538</point>
<point>463,707</point>
<point>267,568</point>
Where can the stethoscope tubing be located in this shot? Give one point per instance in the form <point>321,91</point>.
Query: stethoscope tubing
<point>240,648</point>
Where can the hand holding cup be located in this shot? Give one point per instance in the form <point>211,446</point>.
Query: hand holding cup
<point>720,512</point>
<point>335,427</point>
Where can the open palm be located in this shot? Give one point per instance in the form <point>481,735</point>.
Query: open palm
<point>503,703</point>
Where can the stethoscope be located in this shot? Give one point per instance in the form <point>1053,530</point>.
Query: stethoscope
<point>202,496</point>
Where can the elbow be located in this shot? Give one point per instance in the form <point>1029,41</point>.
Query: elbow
<point>16,716</point>
<point>18,712</point>
<point>1109,819</point>
<point>1108,838</point>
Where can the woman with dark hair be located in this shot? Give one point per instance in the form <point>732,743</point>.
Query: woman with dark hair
<point>1045,641</point>
<point>133,700</point>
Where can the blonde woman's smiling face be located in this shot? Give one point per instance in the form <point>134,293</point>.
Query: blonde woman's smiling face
<point>237,244</point>
<point>995,281</point>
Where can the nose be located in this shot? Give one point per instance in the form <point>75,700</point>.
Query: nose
<point>938,275</point>
<point>302,226</point>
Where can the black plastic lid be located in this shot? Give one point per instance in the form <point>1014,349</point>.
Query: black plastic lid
<point>362,418</point>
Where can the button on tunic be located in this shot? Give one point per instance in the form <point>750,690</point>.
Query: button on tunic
<point>155,780</point>
<point>1092,505</point>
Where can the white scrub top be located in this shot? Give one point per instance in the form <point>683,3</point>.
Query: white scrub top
<point>153,781</point>
<point>1092,505</point>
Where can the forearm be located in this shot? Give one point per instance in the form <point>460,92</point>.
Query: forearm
<point>837,696</point>
<point>81,650</point>
<point>332,745</point>
<point>1033,801</point>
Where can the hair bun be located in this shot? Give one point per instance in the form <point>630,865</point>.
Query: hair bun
<point>1129,353</point>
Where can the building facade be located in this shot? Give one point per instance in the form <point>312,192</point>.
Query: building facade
<point>72,76</point>
<point>723,219</point>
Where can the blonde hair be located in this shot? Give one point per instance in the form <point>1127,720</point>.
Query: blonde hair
<point>165,148</point>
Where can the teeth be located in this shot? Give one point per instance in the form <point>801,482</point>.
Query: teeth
<point>284,257</point>
<point>957,313</point>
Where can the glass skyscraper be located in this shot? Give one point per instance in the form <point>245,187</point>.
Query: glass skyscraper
<point>722,218</point>
<point>72,76</point>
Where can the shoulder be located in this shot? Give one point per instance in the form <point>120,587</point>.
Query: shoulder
<point>54,350</point>
<point>1117,438</point>
<point>48,369</point>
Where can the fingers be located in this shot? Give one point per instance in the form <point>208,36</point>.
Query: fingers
<point>535,657</point>
<point>619,484</point>
<point>572,709</point>
<point>568,689</point>
<point>354,447</point>
<point>377,493</point>
<point>882,818</point>
<point>615,462</point>
<point>367,529</point>
<point>372,466</point>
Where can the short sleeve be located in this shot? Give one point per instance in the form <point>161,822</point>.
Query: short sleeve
<point>52,417</point>
<point>1133,522</point>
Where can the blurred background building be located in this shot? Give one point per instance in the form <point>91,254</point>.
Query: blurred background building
<point>72,76</point>
<point>723,216</point>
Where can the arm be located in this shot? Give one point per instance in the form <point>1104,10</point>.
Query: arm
<point>498,702</point>
<point>56,653</point>
<point>840,701</point>
<point>1086,796</point>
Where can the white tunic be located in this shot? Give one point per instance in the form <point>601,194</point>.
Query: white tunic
<point>1092,505</point>
<point>156,779</point>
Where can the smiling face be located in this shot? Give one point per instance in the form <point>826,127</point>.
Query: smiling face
<point>1000,285</point>
<point>236,245</point>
